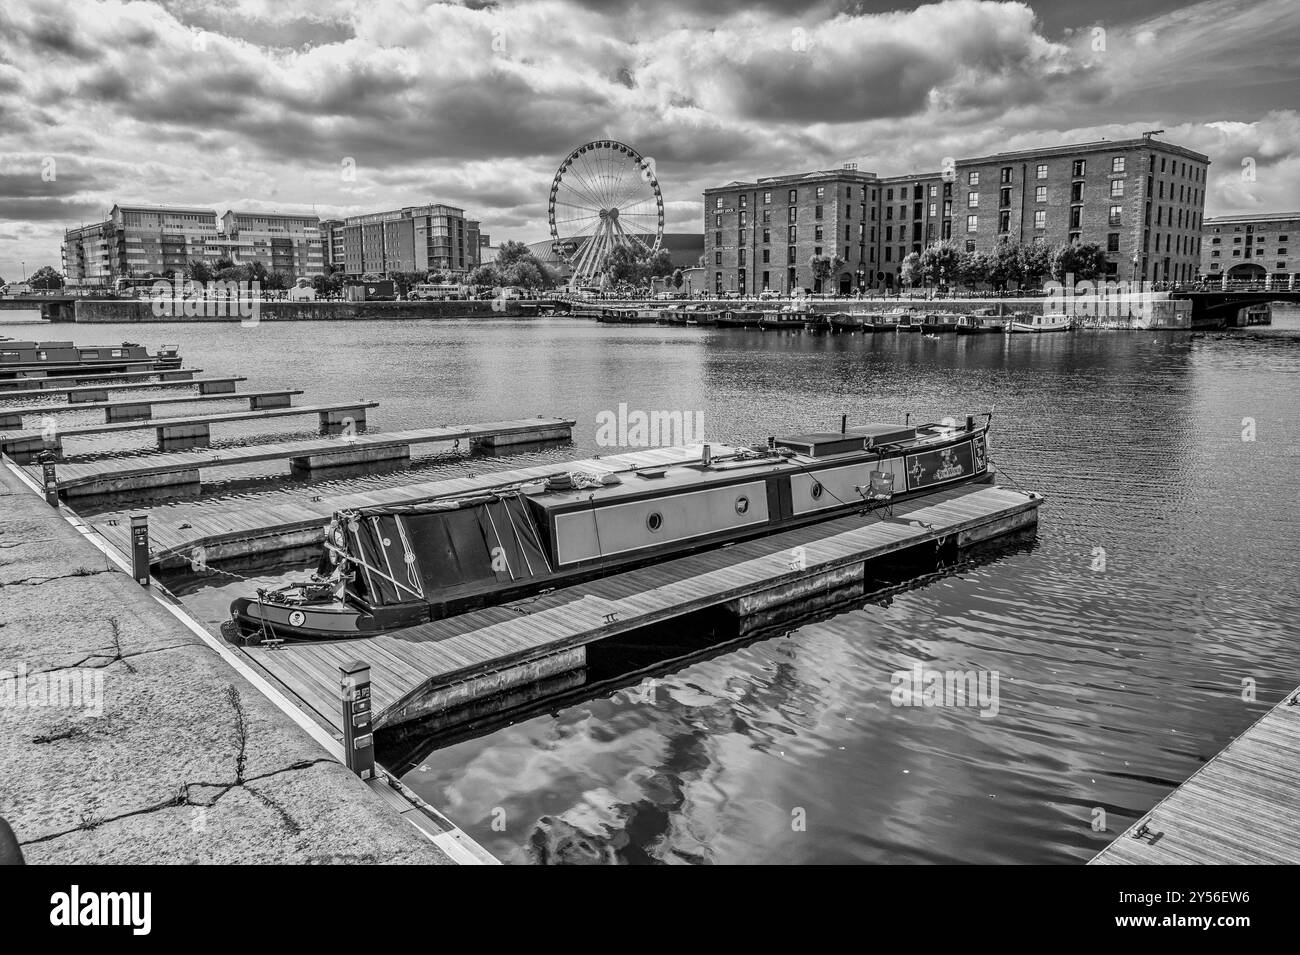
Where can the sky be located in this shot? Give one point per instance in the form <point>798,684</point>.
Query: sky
<point>343,107</point>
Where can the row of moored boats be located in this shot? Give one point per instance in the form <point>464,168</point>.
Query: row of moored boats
<point>979,322</point>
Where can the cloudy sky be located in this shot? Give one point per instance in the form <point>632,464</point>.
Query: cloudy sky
<point>260,103</point>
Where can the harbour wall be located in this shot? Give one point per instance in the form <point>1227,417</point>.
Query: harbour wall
<point>115,311</point>
<point>129,739</point>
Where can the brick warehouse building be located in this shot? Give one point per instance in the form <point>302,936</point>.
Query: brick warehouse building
<point>1253,248</point>
<point>1141,200</point>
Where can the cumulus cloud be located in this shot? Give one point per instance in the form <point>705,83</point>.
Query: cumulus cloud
<point>258,103</point>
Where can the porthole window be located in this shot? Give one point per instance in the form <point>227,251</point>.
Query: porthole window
<point>742,504</point>
<point>654,521</point>
<point>817,490</point>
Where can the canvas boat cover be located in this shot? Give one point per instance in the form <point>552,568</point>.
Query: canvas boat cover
<point>420,551</point>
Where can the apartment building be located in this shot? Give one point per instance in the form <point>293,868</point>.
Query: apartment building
<point>433,237</point>
<point>1252,248</point>
<point>1141,200</point>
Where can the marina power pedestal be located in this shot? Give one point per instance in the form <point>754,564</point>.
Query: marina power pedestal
<point>140,549</point>
<point>49,478</point>
<point>358,736</point>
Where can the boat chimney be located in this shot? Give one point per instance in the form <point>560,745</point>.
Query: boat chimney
<point>970,422</point>
<point>844,424</point>
<point>707,456</point>
<point>771,442</point>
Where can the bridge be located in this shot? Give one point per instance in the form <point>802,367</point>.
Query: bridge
<point>54,306</point>
<point>1214,308</point>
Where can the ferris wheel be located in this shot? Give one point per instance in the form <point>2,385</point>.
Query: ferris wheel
<point>604,195</point>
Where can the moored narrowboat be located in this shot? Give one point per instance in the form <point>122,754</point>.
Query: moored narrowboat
<point>1024,323</point>
<point>939,323</point>
<point>387,567</point>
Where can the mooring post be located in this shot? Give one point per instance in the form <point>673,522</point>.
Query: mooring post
<point>358,736</point>
<point>50,479</point>
<point>140,549</point>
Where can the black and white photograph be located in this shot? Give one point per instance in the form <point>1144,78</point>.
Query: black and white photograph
<point>559,432</point>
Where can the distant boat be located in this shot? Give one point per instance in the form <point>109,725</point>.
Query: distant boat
<point>939,323</point>
<point>908,322</point>
<point>845,322</point>
<point>980,325</point>
<point>1035,324</point>
<point>740,318</point>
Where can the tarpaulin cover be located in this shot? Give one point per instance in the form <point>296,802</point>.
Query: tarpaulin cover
<point>486,541</point>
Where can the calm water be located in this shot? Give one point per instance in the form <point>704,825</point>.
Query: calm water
<point>1115,684</point>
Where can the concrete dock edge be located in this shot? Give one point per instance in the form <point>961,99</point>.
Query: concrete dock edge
<point>151,746</point>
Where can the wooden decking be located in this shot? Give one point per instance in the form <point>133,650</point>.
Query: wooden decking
<point>59,382</point>
<point>109,406</point>
<point>71,393</point>
<point>1240,808</point>
<point>410,668</point>
<point>176,530</point>
<point>79,475</point>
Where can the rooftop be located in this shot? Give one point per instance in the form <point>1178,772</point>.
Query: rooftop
<point>1101,145</point>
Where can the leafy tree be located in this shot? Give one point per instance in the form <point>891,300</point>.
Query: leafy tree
<point>525,272</point>
<point>223,263</point>
<point>976,268</point>
<point>1035,262</point>
<point>278,280</point>
<point>405,281</point>
<point>372,277</point>
<point>199,271</point>
<point>46,278</point>
<point>911,272</point>
<point>485,274</point>
<point>940,263</point>
<point>1086,262</point>
<point>510,252</point>
<point>678,278</point>
<point>823,267</point>
<point>1006,264</point>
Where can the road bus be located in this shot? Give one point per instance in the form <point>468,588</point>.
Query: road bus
<point>439,292</point>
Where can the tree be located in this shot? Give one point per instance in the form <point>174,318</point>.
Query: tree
<point>1035,262</point>
<point>46,279</point>
<point>940,263</point>
<point>1085,262</point>
<point>199,271</point>
<point>525,272</point>
<point>975,268</point>
<point>678,278</point>
<point>510,252</point>
<point>405,281</point>
<point>823,267</point>
<point>1006,264</point>
<point>911,273</point>
<point>485,274</point>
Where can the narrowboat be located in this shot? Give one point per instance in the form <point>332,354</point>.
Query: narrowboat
<point>789,317</point>
<point>740,318</point>
<point>848,322</point>
<point>702,315</point>
<point>387,567</point>
<point>909,322</point>
<point>977,324</point>
<point>939,323</point>
<point>1026,324</point>
<point>28,359</point>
